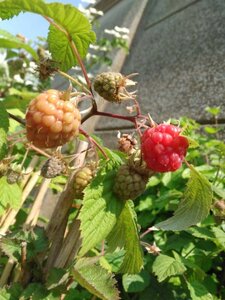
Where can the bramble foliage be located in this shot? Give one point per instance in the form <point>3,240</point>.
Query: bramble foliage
<point>195,205</point>
<point>168,243</point>
<point>71,21</point>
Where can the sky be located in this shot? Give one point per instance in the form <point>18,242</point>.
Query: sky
<point>32,25</point>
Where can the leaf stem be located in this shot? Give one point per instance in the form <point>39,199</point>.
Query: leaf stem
<point>74,49</point>
<point>138,109</point>
<point>76,53</point>
<point>74,80</point>
<point>93,142</point>
<point>187,163</point>
<point>18,119</point>
<point>150,229</point>
<point>31,146</point>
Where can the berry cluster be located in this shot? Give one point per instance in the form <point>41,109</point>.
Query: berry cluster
<point>163,148</point>
<point>53,167</point>
<point>51,121</point>
<point>128,183</point>
<point>112,86</point>
<point>107,85</point>
<point>82,178</point>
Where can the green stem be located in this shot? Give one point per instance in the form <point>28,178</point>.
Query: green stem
<point>74,80</point>
<point>93,142</point>
<point>76,53</point>
<point>150,229</point>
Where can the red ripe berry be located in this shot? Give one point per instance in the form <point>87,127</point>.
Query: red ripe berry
<point>51,121</point>
<point>163,148</point>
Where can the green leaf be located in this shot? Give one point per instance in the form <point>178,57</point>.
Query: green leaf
<point>125,234</point>
<point>115,156</point>
<point>206,170</point>
<point>100,209</point>
<point>165,266</point>
<point>135,283</point>
<point>219,191</point>
<point>153,181</point>
<point>194,206</point>
<point>95,279</point>
<point>220,236</point>
<point>18,99</point>
<point>8,40</point>
<point>215,110</point>
<point>70,19</point>
<point>34,291</point>
<point>201,232</point>
<point>4,117</point>
<point>10,194</point>
<point>4,127</point>
<point>60,50</point>
<point>15,291</point>
<point>56,277</point>
<point>3,144</point>
<point>12,293</point>
<point>11,248</point>
<point>192,143</point>
<point>4,295</point>
<point>115,259</point>
<point>211,130</point>
<point>198,291</point>
<point>194,267</point>
<point>37,241</point>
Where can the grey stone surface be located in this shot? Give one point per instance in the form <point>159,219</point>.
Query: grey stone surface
<point>160,9</point>
<point>181,62</point>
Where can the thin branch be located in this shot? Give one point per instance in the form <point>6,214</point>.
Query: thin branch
<point>95,112</point>
<point>70,246</point>
<point>13,212</point>
<point>138,109</point>
<point>24,157</point>
<point>58,222</point>
<point>6,272</point>
<point>89,115</point>
<point>115,116</point>
<point>32,218</point>
<point>18,119</point>
<point>38,150</point>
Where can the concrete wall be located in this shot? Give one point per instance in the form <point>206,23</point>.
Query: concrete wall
<point>179,53</point>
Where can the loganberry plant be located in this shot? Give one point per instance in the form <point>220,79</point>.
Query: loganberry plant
<point>48,149</point>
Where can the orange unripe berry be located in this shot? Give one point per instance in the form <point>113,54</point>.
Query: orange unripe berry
<point>51,121</point>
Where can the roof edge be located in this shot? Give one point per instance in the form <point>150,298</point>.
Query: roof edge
<point>105,5</point>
